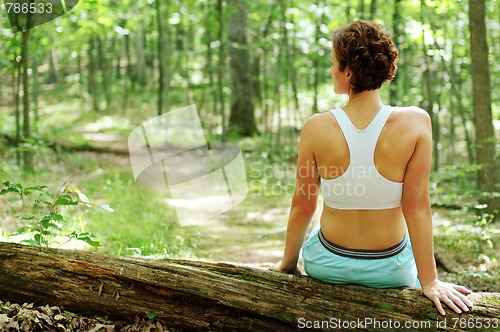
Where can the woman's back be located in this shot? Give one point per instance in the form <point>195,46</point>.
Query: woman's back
<point>365,229</point>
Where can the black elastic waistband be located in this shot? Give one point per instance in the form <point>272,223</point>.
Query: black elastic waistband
<point>363,253</point>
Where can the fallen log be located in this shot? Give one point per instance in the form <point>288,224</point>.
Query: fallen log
<point>195,295</point>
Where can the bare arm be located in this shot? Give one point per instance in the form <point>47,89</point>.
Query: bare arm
<point>417,211</point>
<point>304,202</point>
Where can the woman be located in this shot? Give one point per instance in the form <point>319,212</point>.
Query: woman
<point>372,162</point>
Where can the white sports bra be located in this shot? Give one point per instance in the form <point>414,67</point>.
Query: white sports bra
<point>361,186</point>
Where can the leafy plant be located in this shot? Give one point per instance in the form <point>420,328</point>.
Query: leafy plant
<point>152,315</point>
<point>43,215</point>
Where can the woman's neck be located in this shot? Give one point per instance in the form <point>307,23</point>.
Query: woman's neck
<point>366,100</point>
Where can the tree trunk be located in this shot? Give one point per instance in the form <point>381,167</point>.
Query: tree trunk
<point>242,118</point>
<point>103,67</point>
<point>317,59</point>
<point>17,107</point>
<point>140,74</point>
<point>221,67</point>
<point>428,90</point>
<point>209,296</point>
<point>373,10</point>
<point>92,81</point>
<point>265,77</point>
<point>161,64</point>
<point>398,30</point>
<point>487,176</point>
<point>28,153</point>
<point>278,91</point>
<point>210,88</point>
<point>348,14</point>
<point>52,76</point>
<point>361,10</point>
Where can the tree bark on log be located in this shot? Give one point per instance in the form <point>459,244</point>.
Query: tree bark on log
<point>195,295</point>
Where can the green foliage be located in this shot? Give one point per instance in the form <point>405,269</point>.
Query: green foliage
<point>455,184</point>
<point>152,315</point>
<point>142,224</point>
<point>43,216</point>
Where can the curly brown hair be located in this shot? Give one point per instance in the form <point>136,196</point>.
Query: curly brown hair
<point>367,50</point>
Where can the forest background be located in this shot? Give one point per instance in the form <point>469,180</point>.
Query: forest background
<point>72,90</point>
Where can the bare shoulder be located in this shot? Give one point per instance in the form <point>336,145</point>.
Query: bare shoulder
<point>412,117</point>
<point>317,122</point>
<point>412,113</point>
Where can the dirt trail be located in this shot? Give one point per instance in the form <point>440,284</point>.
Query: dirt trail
<point>252,234</point>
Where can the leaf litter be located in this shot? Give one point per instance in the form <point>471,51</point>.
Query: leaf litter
<point>28,318</point>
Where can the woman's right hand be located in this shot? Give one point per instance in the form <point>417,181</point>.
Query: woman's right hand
<point>450,294</point>
<point>278,268</point>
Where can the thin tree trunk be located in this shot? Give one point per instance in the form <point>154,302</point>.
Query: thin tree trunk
<point>277,81</point>
<point>464,121</point>
<point>17,110</point>
<point>103,67</point>
<point>209,69</point>
<point>161,73</point>
<point>140,74</point>
<point>52,76</point>
<point>316,61</point>
<point>373,10</point>
<point>221,68</point>
<point>81,80</point>
<point>361,9</point>
<point>128,56</point>
<point>28,153</point>
<point>265,78</point>
<point>428,86</point>
<point>242,119</point>
<point>348,14</point>
<point>256,80</point>
<point>397,27</point>
<point>36,94</point>
<point>92,82</point>
<point>487,176</point>
<point>297,115</point>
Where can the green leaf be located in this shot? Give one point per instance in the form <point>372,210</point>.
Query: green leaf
<point>38,238</point>
<point>85,237</point>
<point>65,200</point>
<point>37,188</point>
<point>56,217</point>
<point>39,201</point>
<point>45,222</point>
<point>11,188</point>
<point>31,243</point>
<point>54,225</point>
<point>20,231</point>
<point>152,315</point>
<point>6,191</point>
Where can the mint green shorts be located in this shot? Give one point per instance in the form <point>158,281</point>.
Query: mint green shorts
<point>389,268</point>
